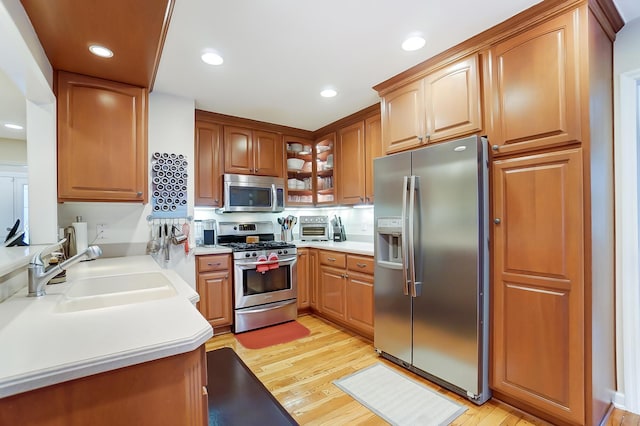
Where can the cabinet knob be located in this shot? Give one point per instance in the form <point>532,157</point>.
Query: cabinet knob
<point>138,194</point>
<point>495,148</point>
<point>361,199</point>
<point>361,265</point>
<point>497,221</point>
<point>331,259</point>
<point>216,201</point>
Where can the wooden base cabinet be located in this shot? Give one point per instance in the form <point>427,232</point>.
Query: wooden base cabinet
<point>538,288</point>
<point>167,391</point>
<point>102,139</point>
<point>345,283</point>
<point>303,278</point>
<point>214,285</point>
<point>360,293</point>
<point>314,297</point>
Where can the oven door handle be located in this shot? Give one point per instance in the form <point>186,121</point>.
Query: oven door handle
<point>269,308</point>
<point>284,259</point>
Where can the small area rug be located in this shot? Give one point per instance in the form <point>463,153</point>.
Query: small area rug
<point>274,335</point>
<point>398,399</point>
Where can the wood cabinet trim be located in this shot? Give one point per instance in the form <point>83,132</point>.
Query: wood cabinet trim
<point>229,120</point>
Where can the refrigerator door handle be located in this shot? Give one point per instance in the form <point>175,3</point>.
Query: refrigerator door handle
<point>416,287</point>
<point>405,257</point>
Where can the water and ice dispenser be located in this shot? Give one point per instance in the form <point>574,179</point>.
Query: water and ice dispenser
<point>389,235</point>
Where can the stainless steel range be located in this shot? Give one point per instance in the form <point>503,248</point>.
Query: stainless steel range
<point>264,279</point>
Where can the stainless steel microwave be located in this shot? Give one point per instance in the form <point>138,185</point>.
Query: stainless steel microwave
<point>248,193</point>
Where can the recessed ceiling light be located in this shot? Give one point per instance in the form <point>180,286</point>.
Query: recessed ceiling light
<point>413,43</point>
<point>212,58</point>
<point>328,93</point>
<point>101,51</point>
<point>13,126</point>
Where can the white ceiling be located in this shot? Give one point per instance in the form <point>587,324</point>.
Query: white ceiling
<point>279,54</point>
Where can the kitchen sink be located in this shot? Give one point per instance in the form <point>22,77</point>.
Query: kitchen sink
<point>115,290</point>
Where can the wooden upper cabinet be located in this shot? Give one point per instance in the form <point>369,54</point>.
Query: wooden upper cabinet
<point>350,164</point>
<point>538,285</point>
<point>452,100</point>
<point>268,153</point>
<point>209,164</point>
<point>442,105</point>
<point>403,117</point>
<point>238,150</point>
<point>304,279</point>
<point>102,140</point>
<point>252,152</point>
<point>534,88</point>
<point>373,150</point>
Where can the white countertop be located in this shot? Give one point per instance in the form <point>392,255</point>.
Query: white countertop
<point>212,250</point>
<point>41,347</point>
<point>355,247</point>
<point>12,258</point>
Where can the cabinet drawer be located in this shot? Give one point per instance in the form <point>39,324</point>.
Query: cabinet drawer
<point>360,264</point>
<point>219,262</point>
<point>332,258</point>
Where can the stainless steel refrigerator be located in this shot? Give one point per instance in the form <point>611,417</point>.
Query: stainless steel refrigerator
<point>431,271</point>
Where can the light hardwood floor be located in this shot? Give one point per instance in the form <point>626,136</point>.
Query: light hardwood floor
<point>300,376</point>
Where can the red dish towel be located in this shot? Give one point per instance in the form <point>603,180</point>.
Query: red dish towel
<point>264,267</point>
<point>273,258</point>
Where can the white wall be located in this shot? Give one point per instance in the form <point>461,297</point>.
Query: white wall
<point>626,121</point>
<point>13,151</point>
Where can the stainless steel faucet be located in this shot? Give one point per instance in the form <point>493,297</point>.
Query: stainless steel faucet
<point>39,277</point>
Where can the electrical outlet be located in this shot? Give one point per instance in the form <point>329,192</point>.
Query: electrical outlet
<point>102,231</point>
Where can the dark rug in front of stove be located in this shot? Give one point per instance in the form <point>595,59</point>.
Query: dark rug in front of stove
<point>237,397</point>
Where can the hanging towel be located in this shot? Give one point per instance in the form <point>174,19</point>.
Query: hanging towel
<point>273,258</point>
<point>262,268</point>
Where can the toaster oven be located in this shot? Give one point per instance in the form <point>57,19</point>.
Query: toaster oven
<point>314,228</point>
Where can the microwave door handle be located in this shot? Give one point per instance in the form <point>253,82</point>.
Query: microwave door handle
<point>274,198</point>
<point>405,259</point>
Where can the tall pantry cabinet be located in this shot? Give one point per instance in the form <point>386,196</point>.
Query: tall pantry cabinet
<point>550,104</point>
<point>546,108</point>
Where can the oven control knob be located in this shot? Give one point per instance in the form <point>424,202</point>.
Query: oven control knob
<point>286,251</point>
<point>247,255</point>
<point>254,254</point>
<point>280,251</point>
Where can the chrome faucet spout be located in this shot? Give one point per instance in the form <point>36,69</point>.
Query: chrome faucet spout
<point>39,277</point>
